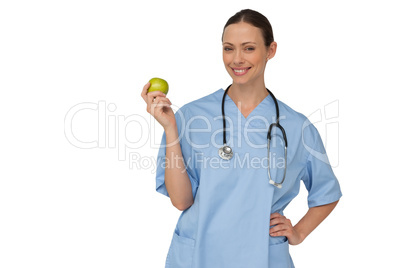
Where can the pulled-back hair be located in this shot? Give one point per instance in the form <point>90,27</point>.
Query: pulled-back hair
<point>257,20</point>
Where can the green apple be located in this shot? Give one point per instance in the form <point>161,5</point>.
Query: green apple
<point>158,84</point>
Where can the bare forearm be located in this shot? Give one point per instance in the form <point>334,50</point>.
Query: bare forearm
<point>313,218</point>
<point>177,181</point>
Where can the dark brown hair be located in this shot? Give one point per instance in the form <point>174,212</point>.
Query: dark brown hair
<point>257,20</point>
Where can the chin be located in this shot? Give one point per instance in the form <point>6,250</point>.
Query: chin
<point>240,81</point>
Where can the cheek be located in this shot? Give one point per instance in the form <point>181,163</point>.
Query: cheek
<point>226,59</point>
<point>258,59</point>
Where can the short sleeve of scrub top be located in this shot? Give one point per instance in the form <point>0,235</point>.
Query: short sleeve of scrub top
<point>320,181</point>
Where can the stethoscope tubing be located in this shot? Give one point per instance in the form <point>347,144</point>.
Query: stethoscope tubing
<point>226,151</point>
<point>277,124</point>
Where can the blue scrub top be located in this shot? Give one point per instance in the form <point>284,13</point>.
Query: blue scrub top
<point>228,224</point>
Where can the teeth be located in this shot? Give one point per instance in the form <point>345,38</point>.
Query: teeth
<point>240,71</point>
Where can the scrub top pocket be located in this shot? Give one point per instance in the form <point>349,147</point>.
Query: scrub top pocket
<point>279,256</point>
<point>181,252</point>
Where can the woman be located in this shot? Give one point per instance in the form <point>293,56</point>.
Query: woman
<point>232,214</point>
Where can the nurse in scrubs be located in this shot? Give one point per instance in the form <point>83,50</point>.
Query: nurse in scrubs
<point>231,215</point>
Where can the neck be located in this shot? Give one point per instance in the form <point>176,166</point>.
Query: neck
<point>249,95</point>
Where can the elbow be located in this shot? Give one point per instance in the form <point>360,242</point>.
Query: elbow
<point>183,206</point>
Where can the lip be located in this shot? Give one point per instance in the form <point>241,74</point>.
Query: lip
<point>240,71</point>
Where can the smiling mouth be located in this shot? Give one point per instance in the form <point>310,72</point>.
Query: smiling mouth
<point>240,71</point>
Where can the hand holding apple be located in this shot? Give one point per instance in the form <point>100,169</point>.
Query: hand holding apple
<point>157,103</point>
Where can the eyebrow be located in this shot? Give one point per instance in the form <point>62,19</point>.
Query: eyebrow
<point>245,43</point>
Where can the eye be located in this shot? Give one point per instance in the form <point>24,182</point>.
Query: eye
<point>227,49</point>
<point>250,48</point>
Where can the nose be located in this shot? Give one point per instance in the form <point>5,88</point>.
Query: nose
<point>238,58</point>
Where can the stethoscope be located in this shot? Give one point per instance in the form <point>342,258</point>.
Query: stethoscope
<point>226,152</point>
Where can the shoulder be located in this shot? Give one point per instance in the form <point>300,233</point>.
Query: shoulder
<point>298,119</point>
<point>289,114</point>
<point>202,109</point>
<point>213,98</point>
<point>299,126</point>
<point>203,105</point>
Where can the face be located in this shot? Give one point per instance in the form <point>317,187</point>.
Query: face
<point>245,54</point>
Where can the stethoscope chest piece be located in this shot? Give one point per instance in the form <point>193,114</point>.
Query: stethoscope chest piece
<point>226,152</point>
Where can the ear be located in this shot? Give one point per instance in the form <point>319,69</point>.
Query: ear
<point>271,51</point>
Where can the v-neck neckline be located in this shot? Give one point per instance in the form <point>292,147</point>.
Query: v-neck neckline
<point>266,99</point>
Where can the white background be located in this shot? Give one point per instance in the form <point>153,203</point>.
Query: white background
<point>65,206</point>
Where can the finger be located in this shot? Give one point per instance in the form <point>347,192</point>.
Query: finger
<point>155,103</point>
<point>154,94</point>
<point>157,108</point>
<point>159,99</point>
<point>280,233</point>
<point>278,227</point>
<point>164,99</point>
<point>162,103</point>
<point>277,221</point>
<point>280,230</point>
<point>276,215</point>
<point>145,91</point>
<point>282,220</point>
